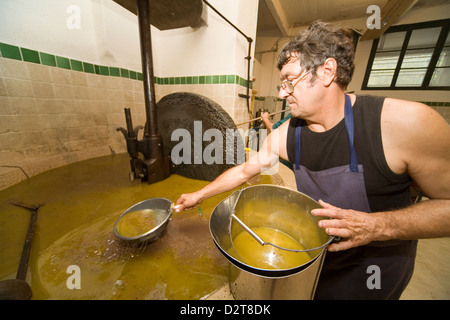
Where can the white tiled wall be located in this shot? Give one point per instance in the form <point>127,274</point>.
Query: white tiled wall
<point>50,116</point>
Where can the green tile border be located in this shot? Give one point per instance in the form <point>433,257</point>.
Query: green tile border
<point>9,51</point>
<point>62,62</point>
<point>114,71</point>
<point>436,104</point>
<point>29,55</point>
<point>76,65</point>
<point>48,59</point>
<point>203,79</point>
<point>88,67</point>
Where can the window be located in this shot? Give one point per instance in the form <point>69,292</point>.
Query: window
<point>415,56</point>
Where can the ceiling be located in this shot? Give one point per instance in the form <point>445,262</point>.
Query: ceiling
<point>281,17</point>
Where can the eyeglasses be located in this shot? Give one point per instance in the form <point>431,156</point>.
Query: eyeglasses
<point>289,86</point>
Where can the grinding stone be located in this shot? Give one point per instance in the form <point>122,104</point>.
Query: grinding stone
<point>180,110</point>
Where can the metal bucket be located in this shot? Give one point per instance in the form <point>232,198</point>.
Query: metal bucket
<point>280,208</point>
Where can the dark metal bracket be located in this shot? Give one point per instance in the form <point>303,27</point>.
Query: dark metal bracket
<point>154,167</point>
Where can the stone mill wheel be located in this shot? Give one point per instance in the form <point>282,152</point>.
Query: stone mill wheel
<point>199,135</point>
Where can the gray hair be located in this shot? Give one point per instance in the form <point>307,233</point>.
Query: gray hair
<point>318,43</point>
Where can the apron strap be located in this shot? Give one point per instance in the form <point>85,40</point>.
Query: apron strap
<point>298,132</point>
<point>349,127</point>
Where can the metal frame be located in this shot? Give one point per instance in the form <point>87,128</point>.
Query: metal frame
<point>445,24</point>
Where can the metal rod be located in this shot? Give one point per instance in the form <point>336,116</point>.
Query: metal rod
<point>260,240</point>
<point>259,118</point>
<point>224,18</point>
<point>241,223</point>
<point>248,58</point>
<point>26,251</point>
<point>263,243</point>
<point>129,122</point>
<point>143,13</point>
<point>250,231</point>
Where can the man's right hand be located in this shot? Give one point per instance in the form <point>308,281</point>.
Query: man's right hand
<point>187,201</point>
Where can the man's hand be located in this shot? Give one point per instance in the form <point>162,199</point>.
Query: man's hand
<point>355,228</point>
<point>187,201</point>
<point>265,116</point>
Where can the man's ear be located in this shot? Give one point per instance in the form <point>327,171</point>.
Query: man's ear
<point>328,71</point>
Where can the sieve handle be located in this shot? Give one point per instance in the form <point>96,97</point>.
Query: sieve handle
<point>174,206</point>
<point>336,239</point>
<point>243,225</point>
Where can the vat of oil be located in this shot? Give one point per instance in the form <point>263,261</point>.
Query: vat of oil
<point>282,216</point>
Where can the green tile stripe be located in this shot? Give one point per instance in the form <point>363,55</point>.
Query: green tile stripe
<point>9,51</point>
<point>204,79</point>
<point>28,55</point>
<point>436,104</point>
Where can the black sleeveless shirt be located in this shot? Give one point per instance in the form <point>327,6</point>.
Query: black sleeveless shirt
<point>385,189</point>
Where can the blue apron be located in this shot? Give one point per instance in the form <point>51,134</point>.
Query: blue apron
<point>358,272</point>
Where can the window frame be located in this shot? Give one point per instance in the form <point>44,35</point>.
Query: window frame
<point>409,28</point>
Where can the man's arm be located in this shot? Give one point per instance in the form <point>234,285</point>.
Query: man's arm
<point>234,177</point>
<point>416,140</point>
<point>266,119</point>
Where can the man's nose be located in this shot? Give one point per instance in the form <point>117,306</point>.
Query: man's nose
<point>282,94</point>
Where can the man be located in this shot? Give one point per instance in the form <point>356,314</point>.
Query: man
<point>265,117</point>
<point>357,155</point>
<point>272,126</point>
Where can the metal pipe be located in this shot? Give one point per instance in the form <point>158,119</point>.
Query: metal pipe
<point>248,58</point>
<point>130,130</point>
<point>224,18</point>
<point>259,118</point>
<point>143,13</point>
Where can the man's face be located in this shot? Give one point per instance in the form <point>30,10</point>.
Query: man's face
<point>295,86</point>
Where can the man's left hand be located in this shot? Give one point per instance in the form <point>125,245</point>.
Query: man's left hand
<point>355,228</point>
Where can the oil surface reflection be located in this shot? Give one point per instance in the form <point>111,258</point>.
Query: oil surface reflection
<point>80,205</point>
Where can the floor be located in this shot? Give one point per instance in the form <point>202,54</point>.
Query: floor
<point>431,278</point>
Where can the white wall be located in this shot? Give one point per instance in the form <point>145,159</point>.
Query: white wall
<point>42,25</point>
<point>109,36</point>
<point>216,49</point>
<point>266,71</point>
<point>116,35</point>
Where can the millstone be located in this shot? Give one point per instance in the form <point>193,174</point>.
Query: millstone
<point>182,110</point>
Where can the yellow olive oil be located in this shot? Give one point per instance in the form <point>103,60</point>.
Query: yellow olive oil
<point>267,256</point>
<point>138,222</point>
